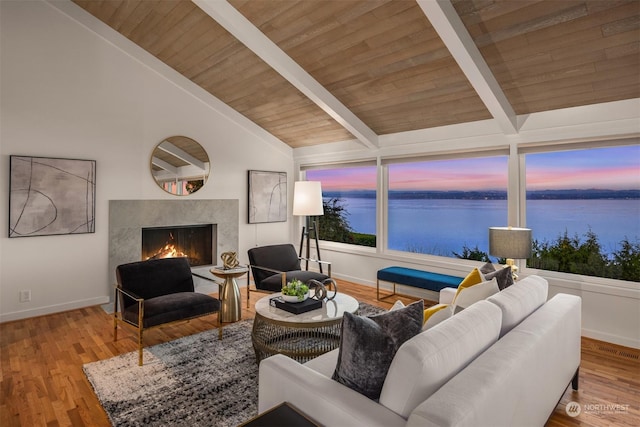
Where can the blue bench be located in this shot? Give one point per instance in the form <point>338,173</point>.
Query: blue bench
<point>416,278</point>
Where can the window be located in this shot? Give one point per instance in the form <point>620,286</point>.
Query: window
<point>583,208</point>
<point>349,196</point>
<point>445,207</point>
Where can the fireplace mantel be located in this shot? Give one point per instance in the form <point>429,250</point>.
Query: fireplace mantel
<point>128,217</point>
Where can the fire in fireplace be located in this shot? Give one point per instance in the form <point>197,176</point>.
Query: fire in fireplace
<point>192,241</point>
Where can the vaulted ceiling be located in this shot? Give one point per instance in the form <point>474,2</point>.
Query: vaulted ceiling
<point>312,72</point>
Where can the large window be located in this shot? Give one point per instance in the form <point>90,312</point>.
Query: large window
<point>349,196</point>
<point>445,207</point>
<point>583,207</point>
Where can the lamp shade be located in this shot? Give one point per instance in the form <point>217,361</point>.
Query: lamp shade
<point>510,242</point>
<point>307,198</point>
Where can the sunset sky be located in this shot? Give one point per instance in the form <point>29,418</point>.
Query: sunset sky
<point>607,168</point>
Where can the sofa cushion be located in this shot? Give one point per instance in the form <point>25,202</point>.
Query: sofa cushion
<point>504,276</point>
<point>427,361</point>
<point>368,344</point>
<point>475,293</point>
<point>520,300</point>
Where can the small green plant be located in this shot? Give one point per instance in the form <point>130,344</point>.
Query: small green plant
<point>295,288</point>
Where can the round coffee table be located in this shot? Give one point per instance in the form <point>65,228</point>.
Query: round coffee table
<point>299,336</point>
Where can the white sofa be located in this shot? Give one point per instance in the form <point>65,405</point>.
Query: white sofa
<point>504,361</point>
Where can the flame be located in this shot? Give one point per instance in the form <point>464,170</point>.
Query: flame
<point>169,250</point>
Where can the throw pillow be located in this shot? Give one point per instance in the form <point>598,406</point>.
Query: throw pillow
<point>430,311</point>
<point>438,316</point>
<point>368,345</point>
<point>476,293</point>
<point>472,278</point>
<point>487,268</point>
<point>397,305</point>
<point>503,276</point>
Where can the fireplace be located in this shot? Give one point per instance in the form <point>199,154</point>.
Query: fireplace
<point>195,242</point>
<point>127,218</point>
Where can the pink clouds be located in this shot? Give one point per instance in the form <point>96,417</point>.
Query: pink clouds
<point>605,168</point>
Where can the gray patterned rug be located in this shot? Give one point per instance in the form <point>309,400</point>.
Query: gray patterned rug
<point>193,381</point>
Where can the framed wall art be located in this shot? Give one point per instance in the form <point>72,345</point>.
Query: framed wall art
<point>267,196</point>
<point>51,196</point>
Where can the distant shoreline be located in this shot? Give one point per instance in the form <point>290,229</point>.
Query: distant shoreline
<point>569,194</point>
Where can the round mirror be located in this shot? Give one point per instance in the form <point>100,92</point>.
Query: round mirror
<point>180,165</point>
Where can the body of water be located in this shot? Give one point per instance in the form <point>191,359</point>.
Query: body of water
<point>444,226</point>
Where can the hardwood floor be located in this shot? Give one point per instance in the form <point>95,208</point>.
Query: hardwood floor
<point>42,382</point>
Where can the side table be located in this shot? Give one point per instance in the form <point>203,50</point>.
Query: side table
<point>283,415</point>
<point>229,293</point>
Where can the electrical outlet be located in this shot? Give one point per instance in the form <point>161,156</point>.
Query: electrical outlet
<point>25,296</point>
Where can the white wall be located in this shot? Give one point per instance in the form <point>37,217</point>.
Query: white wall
<point>67,92</point>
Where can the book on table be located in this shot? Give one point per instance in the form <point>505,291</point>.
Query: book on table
<point>296,307</point>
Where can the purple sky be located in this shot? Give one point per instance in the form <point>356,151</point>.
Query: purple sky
<point>605,168</point>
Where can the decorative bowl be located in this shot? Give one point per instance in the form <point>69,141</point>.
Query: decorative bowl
<point>294,298</point>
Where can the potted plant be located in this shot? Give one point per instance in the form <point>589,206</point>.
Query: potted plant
<point>295,291</point>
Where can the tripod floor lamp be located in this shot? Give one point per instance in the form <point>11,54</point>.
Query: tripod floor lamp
<point>307,201</point>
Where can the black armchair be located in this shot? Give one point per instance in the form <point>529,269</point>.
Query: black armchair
<point>275,265</point>
<point>157,292</point>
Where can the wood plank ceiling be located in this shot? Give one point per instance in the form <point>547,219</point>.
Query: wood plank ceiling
<point>384,61</point>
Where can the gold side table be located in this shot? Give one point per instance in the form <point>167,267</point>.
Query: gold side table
<point>231,310</point>
<point>228,291</point>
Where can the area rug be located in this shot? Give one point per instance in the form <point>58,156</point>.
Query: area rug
<point>193,381</point>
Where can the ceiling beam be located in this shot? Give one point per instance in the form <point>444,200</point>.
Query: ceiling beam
<point>454,34</point>
<point>169,148</point>
<point>164,165</point>
<point>243,30</point>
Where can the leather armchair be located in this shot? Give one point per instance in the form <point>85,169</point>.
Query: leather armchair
<point>158,292</point>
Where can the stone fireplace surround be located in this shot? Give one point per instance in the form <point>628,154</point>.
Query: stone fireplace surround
<point>128,217</point>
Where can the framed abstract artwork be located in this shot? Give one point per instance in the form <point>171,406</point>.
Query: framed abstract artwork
<point>267,196</point>
<point>51,196</point>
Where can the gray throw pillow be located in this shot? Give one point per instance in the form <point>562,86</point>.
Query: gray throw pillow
<point>368,345</point>
<point>503,276</point>
<point>487,268</point>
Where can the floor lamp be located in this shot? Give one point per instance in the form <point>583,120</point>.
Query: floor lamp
<point>307,201</point>
<point>510,243</point>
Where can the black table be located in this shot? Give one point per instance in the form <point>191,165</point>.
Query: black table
<point>283,415</point>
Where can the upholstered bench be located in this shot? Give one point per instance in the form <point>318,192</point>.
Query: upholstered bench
<point>416,278</point>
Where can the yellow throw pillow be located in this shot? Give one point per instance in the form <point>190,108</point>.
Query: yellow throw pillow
<point>432,310</point>
<point>472,278</point>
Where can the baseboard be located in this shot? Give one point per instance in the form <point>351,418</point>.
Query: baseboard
<point>610,338</point>
<point>51,309</point>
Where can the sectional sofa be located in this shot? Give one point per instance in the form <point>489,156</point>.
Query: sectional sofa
<point>503,361</point>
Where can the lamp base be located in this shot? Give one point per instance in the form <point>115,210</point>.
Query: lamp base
<point>510,262</point>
